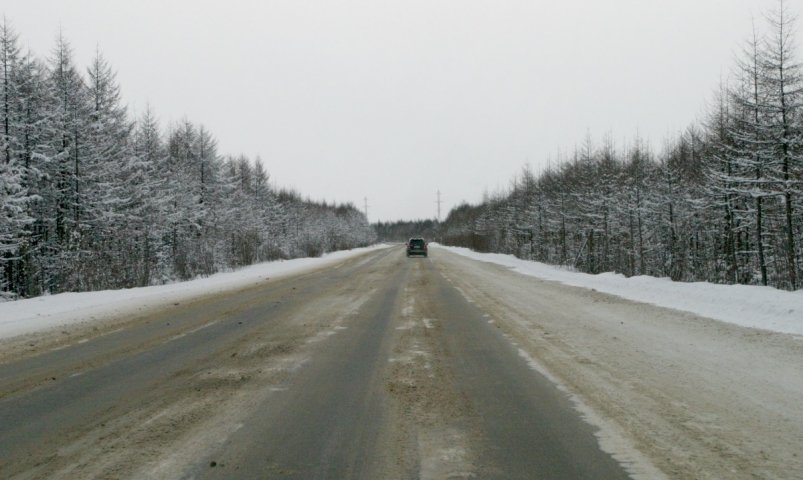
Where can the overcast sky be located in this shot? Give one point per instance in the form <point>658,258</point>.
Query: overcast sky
<point>393,100</point>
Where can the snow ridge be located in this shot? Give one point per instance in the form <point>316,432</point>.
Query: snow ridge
<point>750,306</point>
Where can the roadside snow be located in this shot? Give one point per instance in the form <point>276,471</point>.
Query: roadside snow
<point>745,305</point>
<point>30,315</point>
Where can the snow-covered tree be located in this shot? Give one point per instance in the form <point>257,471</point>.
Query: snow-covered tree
<point>782,79</point>
<point>90,199</point>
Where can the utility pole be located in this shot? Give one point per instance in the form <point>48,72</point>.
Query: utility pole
<point>365,205</point>
<point>438,201</point>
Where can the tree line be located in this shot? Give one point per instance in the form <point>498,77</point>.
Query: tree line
<point>721,202</point>
<point>92,199</point>
<point>403,230</point>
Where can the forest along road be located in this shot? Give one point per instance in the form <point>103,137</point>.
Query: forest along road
<point>384,367</point>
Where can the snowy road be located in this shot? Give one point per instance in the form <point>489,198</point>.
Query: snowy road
<point>380,366</point>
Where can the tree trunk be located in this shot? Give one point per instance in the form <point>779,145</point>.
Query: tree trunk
<point>643,269</point>
<point>790,242</point>
<point>762,263</point>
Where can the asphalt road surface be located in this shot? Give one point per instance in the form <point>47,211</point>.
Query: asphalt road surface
<point>380,367</point>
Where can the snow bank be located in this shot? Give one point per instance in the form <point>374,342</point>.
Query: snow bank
<point>29,315</point>
<point>745,305</point>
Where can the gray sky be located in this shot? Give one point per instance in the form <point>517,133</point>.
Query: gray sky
<point>393,100</point>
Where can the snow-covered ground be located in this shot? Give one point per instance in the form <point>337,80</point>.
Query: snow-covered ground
<point>34,314</point>
<point>748,306</point>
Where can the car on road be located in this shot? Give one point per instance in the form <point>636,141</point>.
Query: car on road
<point>416,246</point>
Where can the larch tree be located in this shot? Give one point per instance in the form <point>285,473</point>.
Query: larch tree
<point>110,170</point>
<point>750,139</point>
<point>71,114</point>
<point>9,58</point>
<point>783,81</point>
<point>151,199</point>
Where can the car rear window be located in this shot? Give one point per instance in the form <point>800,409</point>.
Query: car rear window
<point>416,242</point>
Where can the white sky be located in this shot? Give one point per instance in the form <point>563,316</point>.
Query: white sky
<point>393,100</point>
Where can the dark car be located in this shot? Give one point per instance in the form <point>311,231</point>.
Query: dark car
<point>416,246</point>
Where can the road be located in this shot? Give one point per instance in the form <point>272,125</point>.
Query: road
<point>383,367</point>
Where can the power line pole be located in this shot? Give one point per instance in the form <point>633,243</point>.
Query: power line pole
<point>439,204</point>
<point>365,200</point>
